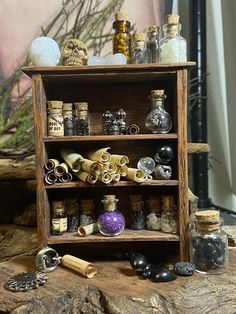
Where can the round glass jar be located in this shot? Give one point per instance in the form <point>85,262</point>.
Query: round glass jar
<point>110,222</point>
<point>208,243</point>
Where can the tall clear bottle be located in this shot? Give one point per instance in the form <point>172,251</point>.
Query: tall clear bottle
<point>158,119</point>
<point>139,50</point>
<point>122,36</point>
<point>173,47</point>
<point>153,44</point>
<point>82,118</point>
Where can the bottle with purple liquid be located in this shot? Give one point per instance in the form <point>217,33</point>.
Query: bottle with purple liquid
<point>111,222</point>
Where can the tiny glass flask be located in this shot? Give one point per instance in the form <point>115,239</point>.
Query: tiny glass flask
<point>55,118</point>
<point>153,218</point>
<point>111,222</point>
<point>122,36</point>
<point>86,212</point>
<point>208,243</point>
<point>58,218</point>
<point>173,47</point>
<point>153,44</point>
<point>158,119</point>
<point>68,119</point>
<point>72,214</point>
<point>82,118</point>
<point>169,214</point>
<point>139,49</point>
<point>137,219</point>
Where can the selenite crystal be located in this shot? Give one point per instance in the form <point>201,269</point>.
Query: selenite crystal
<point>44,51</point>
<point>116,59</point>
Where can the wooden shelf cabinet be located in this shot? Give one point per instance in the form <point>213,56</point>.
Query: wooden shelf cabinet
<point>111,88</point>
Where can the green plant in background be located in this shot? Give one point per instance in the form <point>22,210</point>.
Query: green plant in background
<point>81,19</point>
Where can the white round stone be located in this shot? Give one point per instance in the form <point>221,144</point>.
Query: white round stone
<point>44,51</point>
<point>116,59</point>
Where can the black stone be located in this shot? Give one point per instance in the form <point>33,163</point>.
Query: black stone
<point>163,276</point>
<point>138,261</point>
<point>164,154</point>
<point>184,269</point>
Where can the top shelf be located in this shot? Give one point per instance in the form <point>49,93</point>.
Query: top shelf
<point>130,68</point>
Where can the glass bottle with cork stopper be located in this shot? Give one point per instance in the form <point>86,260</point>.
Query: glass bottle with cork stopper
<point>58,218</point>
<point>82,118</point>
<point>139,50</point>
<point>72,214</point>
<point>122,36</point>
<point>68,117</point>
<point>153,35</point>
<point>208,243</point>
<point>86,212</point>
<point>55,118</point>
<point>137,219</point>
<point>111,222</point>
<point>169,214</point>
<point>173,47</point>
<point>158,119</point>
<point>153,219</point>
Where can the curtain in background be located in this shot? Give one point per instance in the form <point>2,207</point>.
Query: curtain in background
<point>221,94</point>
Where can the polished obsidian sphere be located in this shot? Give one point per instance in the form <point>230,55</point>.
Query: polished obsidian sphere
<point>164,154</point>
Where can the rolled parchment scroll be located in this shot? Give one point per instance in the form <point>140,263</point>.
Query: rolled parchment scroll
<point>123,170</point>
<point>120,160</point>
<point>105,177</point>
<point>72,158</point>
<point>100,155</point>
<point>91,166</point>
<point>51,164</point>
<point>80,266</point>
<point>85,230</point>
<point>66,177</point>
<point>115,177</point>
<point>50,177</point>
<point>61,169</point>
<point>136,175</point>
<point>87,177</point>
<point>111,167</point>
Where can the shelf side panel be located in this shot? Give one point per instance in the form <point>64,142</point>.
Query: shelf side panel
<point>182,164</point>
<point>39,108</point>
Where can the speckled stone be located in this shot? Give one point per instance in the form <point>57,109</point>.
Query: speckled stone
<point>184,269</point>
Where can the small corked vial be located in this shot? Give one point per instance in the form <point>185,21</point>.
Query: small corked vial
<point>122,36</point>
<point>153,38</point>
<point>72,210</point>
<point>173,47</point>
<point>87,211</point>
<point>139,50</point>
<point>153,218</point>
<point>169,214</point>
<point>137,219</point>
<point>82,118</point>
<point>69,128</point>
<point>110,222</point>
<point>55,119</point>
<point>208,243</point>
<point>58,218</point>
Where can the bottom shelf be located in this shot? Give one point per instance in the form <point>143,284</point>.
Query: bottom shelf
<point>126,236</point>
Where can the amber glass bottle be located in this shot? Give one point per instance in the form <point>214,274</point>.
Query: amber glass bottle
<point>122,36</point>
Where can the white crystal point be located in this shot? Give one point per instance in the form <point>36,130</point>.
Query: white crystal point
<point>116,59</point>
<point>44,51</point>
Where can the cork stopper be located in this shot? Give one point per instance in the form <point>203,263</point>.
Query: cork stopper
<point>207,220</point>
<point>81,106</point>
<point>67,106</point>
<point>139,37</point>
<point>58,206</point>
<point>157,94</point>
<point>110,202</point>
<point>55,104</point>
<point>168,203</point>
<point>153,29</point>
<point>120,16</point>
<point>154,203</point>
<point>172,19</point>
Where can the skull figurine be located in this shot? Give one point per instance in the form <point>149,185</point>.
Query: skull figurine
<point>74,53</point>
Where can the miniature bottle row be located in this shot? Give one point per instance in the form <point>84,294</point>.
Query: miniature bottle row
<point>149,47</point>
<point>157,213</point>
<point>67,119</point>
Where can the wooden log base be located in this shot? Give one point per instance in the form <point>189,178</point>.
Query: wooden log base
<point>117,289</point>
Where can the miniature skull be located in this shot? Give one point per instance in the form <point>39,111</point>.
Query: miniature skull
<point>74,53</point>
